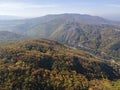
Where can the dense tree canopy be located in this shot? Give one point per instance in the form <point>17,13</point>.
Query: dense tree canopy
<point>47,65</point>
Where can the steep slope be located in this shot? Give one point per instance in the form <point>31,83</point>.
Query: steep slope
<point>46,64</point>
<point>44,29</point>
<point>91,37</point>
<point>69,33</point>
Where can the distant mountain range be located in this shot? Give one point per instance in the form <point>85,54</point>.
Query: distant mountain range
<point>91,33</point>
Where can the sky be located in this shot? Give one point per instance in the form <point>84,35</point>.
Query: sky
<point>35,8</point>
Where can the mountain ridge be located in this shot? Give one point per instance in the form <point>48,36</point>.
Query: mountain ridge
<point>76,30</point>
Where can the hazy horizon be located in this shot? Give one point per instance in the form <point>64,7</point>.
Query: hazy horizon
<point>28,8</point>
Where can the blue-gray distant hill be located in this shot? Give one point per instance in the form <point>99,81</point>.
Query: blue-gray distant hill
<point>6,36</point>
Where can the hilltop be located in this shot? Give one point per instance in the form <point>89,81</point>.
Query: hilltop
<point>46,64</point>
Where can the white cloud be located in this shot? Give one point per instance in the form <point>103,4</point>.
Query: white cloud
<point>114,5</point>
<point>24,9</point>
<point>23,6</point>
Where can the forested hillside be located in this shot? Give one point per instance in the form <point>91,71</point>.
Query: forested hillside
<point>44,64</point>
